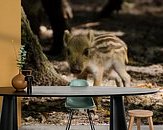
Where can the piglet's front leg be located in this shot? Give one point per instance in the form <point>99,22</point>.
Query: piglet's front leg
<point>98,77</point>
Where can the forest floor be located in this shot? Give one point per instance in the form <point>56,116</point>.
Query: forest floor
<point>139,24</point>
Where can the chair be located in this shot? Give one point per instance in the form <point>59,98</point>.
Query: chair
<point>77,103</point>
<point>138,113</point>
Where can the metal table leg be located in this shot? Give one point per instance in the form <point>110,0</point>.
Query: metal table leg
<point>117,114</point>
<point>9,113</point>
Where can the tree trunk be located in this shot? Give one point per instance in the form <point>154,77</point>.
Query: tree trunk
<point>42,70</point>
<point>110,7</point>
<point>54,10</point>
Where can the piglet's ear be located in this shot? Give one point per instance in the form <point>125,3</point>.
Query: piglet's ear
<point>90,35</point>
<point>66,37</point>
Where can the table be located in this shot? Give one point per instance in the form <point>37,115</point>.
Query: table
<point>117,115</point>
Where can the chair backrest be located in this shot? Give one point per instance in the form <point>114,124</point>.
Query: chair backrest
<point>78,83</point>
<point>79,102</point>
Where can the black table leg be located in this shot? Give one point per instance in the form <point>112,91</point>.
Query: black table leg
<point>117,114</point>
<point>9,113</point>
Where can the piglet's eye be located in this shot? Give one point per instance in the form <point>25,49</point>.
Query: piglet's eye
<point>86,52</point>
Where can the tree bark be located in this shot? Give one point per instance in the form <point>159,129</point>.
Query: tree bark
<point>42,69</point>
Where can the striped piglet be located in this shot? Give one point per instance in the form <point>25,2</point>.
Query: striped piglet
<point>96,54</point>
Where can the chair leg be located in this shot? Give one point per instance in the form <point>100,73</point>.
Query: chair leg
<point>150,123</point>
<point>131,122</point>
<point>138,123</point>
<point>69,120</point>
<point>90,120</point>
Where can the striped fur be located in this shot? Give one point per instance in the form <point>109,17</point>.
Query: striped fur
<point>96,54</point>
<point>108,42</point>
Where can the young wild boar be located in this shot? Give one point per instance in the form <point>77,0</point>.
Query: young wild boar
<point>96,55</point>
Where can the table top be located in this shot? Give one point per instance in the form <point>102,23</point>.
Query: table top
<point>66,91</point>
